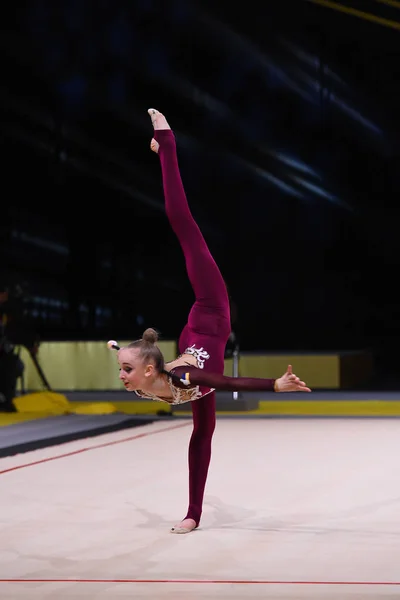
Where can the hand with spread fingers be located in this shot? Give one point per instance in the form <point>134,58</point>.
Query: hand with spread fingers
<point>289,382</point>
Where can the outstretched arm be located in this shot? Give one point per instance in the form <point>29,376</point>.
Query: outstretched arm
<point>191,376</point>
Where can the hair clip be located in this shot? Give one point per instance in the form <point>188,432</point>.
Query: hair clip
<point>113,344</point>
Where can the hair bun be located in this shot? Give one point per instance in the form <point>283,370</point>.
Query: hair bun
<point>150,336</point>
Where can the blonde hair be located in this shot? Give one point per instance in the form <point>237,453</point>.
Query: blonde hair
<point>148,349</point>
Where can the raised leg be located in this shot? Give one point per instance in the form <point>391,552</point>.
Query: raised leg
<point>205,277</point>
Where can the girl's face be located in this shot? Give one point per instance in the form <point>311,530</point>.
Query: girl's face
<point>134,374</point>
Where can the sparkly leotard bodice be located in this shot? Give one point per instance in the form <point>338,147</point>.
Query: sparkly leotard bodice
<point>188,392</point>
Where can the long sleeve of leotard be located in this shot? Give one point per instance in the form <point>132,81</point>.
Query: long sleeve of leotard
<point>191,376</point>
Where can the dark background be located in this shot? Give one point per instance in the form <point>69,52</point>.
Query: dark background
<point>287,120</point>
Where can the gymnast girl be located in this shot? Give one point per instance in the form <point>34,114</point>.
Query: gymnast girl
<point>198,371</point>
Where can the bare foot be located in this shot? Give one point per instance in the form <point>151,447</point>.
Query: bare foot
<point>158,119</point>
<point>185,526</point>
